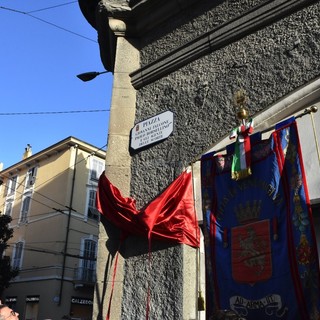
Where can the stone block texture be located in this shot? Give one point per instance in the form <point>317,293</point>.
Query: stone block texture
<point>268,64</point>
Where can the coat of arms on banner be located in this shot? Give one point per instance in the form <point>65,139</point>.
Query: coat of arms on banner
<point>261,249</point>
<point>251,252</point>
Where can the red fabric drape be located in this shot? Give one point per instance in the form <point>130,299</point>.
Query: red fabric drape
<point>171,216</point>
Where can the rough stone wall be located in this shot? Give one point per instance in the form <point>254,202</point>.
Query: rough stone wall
<point>268,64</point>
<point>195,21</point>
<point>161,273</point>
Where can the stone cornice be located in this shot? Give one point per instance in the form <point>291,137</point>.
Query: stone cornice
<point>256,18</point>
<point>138,16</point>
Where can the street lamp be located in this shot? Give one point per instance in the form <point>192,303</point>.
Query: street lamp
<point>88,76</point>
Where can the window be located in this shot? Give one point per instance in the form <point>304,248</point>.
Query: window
<point>8,208</point>
<point>31,177</point>
<point>88,264</point>
<point>25,209</point>
<point>11,186</point>
<point>97,168</point>
<point>92,212</point>
<point>89,252</point>
<point>17,255</point>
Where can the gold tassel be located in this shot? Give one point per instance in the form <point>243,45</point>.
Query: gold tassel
<point>201,304</point>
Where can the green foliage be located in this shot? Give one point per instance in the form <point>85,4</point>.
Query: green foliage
<point>6,271</point>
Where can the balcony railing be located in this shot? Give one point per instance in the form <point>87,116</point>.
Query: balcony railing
<point>84,276</point>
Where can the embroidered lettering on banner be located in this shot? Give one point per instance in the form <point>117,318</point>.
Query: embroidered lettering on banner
<point>272,305</point>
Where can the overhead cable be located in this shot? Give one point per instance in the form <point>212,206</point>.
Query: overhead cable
<point>47,22</point>
<point>50,112</point>
<point>52,7</point>
<point>46,197</point>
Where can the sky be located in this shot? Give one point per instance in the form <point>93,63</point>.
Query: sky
<point>43,46</point>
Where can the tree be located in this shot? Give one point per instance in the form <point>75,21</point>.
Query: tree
<point>6,271</point>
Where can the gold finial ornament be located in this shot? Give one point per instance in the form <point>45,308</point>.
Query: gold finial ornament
<point>240,100</point>
<point>313,109</point>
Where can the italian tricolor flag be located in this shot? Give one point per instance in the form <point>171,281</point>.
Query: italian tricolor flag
<point>241,161</point>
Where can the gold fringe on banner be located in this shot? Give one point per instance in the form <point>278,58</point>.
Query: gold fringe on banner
<point>237,175</point>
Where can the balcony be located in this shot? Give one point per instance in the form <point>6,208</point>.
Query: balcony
<point>84,277</point>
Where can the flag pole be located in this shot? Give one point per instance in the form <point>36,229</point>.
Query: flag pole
<point>310,110</point>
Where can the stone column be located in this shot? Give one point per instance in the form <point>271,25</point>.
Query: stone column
<point>118,161</point>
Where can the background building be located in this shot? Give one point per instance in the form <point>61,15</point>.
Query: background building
<point>190,58</point>
<point>51,198</point>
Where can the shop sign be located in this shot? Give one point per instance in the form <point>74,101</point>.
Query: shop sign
<point>152,130</point>
<point>82,301</point>
<point>32,298</point>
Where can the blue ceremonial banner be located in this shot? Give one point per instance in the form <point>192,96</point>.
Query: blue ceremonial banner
<point>261,251</point>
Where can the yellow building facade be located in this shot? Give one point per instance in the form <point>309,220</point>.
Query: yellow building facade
<point>51,198</point>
